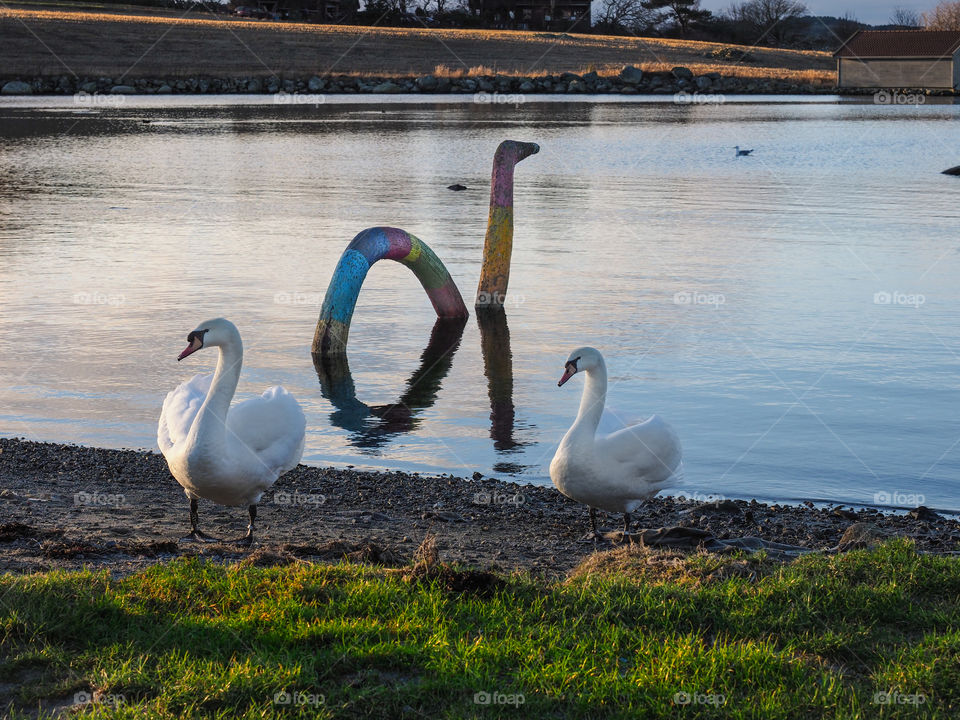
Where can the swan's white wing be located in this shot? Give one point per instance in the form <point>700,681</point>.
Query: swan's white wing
<point>272,426</point>
<point>650,451</point>
<point>613,419</point>
<point>180,407</point>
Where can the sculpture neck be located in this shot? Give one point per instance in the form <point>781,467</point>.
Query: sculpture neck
<point>498,245</point>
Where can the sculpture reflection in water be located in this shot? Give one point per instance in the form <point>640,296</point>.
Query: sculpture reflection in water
<point>372,426</point>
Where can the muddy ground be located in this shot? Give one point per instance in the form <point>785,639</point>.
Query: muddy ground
<point>70,507</point>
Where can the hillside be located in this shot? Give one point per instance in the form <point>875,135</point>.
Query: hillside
<point>39,41</point>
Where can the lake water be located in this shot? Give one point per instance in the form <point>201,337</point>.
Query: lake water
<point>795,315</point>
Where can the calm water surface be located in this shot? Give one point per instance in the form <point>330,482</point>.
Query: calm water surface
<point>794,315</point>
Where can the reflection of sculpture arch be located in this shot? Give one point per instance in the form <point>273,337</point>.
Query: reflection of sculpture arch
<point>364,250</point>
<point>373,425</point>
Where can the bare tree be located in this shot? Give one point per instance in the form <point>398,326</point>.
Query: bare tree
<point>685,14</point>
<point>767,19</point>
<point>945,16</point>
<point>628,15</point>
<point>904,17</point>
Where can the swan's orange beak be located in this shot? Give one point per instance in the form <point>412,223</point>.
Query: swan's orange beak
<point>568,372</point>
<point>196,342</point>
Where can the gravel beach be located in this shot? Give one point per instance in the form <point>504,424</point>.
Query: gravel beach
<point>71,507</point>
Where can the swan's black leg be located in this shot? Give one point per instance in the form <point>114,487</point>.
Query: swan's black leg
<point>196,534</point>
<point>596,536</point>
<point>247,540</point>
<point>626,528</point>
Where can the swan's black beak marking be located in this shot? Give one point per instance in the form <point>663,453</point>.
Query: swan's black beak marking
<point>569,370</point>
<point>195,342</point>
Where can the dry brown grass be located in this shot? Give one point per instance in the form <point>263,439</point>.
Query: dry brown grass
<point>642,564</point>
<point>54,42</point>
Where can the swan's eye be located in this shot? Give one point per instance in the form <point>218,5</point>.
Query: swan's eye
<point>196,336</point>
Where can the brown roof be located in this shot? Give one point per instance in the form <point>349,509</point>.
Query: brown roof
<point>900,43</point>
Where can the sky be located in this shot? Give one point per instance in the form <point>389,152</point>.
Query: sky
<point>874,12</point>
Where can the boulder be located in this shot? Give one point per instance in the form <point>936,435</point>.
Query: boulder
<point>123,90</point>
<point>387,88</point>
<point>88,87</point>
<point>427,82</point>
<point>485,85</point>
<point>577,86</point>
<point>704,83</point>
<point>631,75</point>
<point>682,73</point>
<point>164,89</point>
<point>16,87</point>
<point>315,84</point>
<point>526,86</point>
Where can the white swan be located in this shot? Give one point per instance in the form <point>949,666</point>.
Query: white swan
<point>615,472</point>
<point>229,458</point>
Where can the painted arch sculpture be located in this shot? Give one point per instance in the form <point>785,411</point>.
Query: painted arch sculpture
<point>364,250</point>
<point>379,243</point>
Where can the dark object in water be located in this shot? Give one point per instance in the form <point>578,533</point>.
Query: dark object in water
<point>457,187</point>
<point>952,171</point>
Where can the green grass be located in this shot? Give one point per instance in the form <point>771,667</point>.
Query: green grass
<point>816,638</point>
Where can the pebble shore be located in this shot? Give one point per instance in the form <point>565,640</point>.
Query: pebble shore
<point>65,506</point>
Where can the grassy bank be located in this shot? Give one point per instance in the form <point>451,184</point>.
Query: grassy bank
<point>866,634</point>
<point>81,42</point>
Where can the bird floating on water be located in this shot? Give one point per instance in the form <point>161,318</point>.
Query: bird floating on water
<point>615,472</point>
<point>227,454</point>
<point>742,153</point>
<point>457,187</point>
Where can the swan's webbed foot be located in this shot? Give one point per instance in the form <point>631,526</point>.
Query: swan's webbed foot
<point>594,536</point>
<point>196,534</point>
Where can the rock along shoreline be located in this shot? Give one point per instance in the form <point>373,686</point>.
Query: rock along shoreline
<point>507,89</point>
<point>69,507</point>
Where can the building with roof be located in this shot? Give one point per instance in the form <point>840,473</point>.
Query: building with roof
<point>900,59</point>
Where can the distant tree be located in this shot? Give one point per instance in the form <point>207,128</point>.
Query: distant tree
<point>847,26</point>
<point>945,16</point>
<point>770,20</point>
<point>625,16</point>
<point>904,17</point>
<point>685,14</point>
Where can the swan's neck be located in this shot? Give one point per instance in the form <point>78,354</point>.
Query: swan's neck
<point>591,404</point>
<point>210,424</point>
